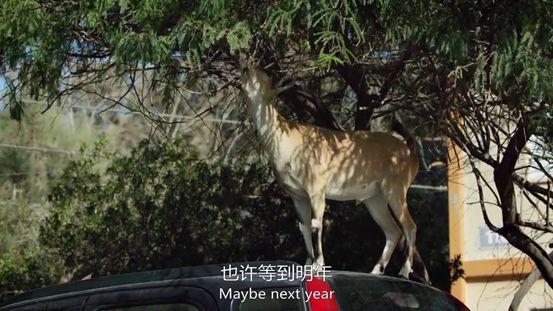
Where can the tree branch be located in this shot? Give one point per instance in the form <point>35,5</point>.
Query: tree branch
<point>354,76</point>
<point>503,178</point>
<point>478,176</point>
<point>302,102</point>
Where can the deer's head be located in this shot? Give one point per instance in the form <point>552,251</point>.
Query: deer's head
<point>256,83</point>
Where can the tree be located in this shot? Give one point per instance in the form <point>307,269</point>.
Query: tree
<point>466,69</point>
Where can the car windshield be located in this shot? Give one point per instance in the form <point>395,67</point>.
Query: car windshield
<point>356,292</point>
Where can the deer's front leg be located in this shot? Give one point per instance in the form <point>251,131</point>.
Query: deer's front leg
<point>303,210</point>
<point>317,208</point>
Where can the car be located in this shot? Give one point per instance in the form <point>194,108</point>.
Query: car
<point>274,285</point>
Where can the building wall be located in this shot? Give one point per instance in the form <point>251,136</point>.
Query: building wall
<point>493,268</point>
<point>497,295</point>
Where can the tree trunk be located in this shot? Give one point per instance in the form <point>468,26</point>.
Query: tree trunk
<point>354,75</point>
<point>503,178</point>
<point>355,78</point>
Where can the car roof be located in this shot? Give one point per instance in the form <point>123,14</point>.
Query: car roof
<point>211,274</point>
<point>212,271</point>
<point>378,277</point>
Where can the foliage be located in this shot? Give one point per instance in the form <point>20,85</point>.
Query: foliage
<point>33,153</point>
<point>26,175</point>
<point>22,265</point>
<point>23,271</point>
<point>507,46</point>
<point>455,268</point>
<point>18,224</point>
<point>36,149</point>
<point>163,207</point>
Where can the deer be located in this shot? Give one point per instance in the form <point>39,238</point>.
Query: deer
<point>313,164</point>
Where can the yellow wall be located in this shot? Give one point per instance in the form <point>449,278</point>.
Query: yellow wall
<point>455,196</point>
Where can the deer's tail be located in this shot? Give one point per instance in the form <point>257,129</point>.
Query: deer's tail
<point>409,138</point>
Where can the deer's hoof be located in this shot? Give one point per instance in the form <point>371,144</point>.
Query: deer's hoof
<point>378,269</point>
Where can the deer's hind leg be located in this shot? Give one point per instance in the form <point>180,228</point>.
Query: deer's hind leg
<point>396,196</point>
<point>381,214</point>
<point>410,233</point>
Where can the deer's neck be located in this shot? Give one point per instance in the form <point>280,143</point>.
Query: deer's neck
<point>266,119</point>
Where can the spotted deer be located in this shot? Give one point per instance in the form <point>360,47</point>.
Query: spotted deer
<point>312,164</point>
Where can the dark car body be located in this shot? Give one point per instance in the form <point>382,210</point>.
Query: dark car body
<point>206,288</point>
